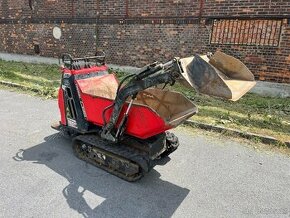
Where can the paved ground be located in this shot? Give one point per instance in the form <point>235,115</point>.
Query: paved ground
<point>206,177</point>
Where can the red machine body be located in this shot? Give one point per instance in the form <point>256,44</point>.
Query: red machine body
<point>98,92</point>
<point>121,127</point>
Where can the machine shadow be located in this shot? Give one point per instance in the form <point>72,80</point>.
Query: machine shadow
<point>111,196</point>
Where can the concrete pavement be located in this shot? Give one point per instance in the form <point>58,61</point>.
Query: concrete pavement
<point>206,176</point>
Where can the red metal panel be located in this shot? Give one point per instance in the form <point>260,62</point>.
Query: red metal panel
<point>61,106</point>
<point>142,122</point>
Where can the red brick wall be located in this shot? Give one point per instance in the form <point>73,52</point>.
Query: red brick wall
<point>266,62</point>
<point>136,44</point>
<point>246,7</point>
<point>76,39</point>
<point>135,32</point>
<point>111,8</point>
<point>157,8</point>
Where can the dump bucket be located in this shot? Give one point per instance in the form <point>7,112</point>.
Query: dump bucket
<point>220,75</point>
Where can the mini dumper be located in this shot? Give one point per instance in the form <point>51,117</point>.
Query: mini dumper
<point>122,127</point>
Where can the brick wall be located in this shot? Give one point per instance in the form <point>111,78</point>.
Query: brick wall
<point>138,44</point>
<point>21,38</point>
<point>246,7</point>
<point>158,8</point>
<point>135,32</point>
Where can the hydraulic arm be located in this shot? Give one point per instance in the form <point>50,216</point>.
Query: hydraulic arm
<point>149,76</point>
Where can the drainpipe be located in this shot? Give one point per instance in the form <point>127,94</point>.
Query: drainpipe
<point>127,8</point>
<point>97,27</point>
<point>201,8</point>
<point>73,9</point>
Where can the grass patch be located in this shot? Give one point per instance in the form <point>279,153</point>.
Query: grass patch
<point>252,113</point>
<point>42,77</point>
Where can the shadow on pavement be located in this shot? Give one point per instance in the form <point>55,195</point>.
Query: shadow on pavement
<point>93,192</point>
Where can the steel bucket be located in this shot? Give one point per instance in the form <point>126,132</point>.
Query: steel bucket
<point>220,75</point>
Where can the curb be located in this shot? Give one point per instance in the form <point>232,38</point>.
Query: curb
<point>16,85</point>
<point>233,132</point>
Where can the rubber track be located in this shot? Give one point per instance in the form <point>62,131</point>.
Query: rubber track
<point>116,149</point>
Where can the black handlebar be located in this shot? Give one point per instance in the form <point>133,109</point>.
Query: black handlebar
<point>72,63</point>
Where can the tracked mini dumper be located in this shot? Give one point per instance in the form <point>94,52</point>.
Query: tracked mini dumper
<point>122,127</point>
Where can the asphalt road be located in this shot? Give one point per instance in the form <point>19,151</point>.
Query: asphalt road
<point>206,176</point>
